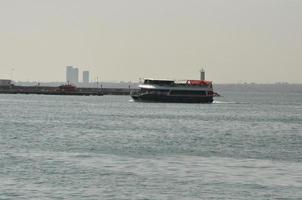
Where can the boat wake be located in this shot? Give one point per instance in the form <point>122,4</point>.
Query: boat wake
<point>229,102</point>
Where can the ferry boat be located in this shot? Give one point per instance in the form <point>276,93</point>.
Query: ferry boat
<point>189,91</point>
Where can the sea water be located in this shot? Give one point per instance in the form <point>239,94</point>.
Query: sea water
<point>246,145</point>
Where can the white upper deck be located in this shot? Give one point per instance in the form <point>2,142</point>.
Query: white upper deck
<point>166,84</point>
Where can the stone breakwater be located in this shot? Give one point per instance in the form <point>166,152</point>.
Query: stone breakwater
<point>46,90</point>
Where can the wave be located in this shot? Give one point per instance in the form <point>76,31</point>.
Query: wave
<point>229,102</point>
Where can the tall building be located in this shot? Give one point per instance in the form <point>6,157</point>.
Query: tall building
<point>72,74</point>
<point>85,76</point>
<point>69,70</point>
<point>76,75</point>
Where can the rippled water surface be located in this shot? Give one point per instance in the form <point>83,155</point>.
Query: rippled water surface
<point>246,145</point>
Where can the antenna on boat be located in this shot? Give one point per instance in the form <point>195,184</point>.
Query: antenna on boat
<point>202,74</point>
<point>97,83</point>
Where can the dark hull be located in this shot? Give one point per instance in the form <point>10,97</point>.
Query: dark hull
<point>172,99</point>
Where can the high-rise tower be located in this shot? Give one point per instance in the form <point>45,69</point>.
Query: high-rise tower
<point>85,76</point>
<point>72,74</point>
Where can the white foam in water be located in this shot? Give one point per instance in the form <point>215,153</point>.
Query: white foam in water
<point>229,102</point>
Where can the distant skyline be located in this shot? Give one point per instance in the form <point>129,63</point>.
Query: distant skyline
<point>235,41</point>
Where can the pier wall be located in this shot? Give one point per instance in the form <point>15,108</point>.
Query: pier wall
<point>47,90</point>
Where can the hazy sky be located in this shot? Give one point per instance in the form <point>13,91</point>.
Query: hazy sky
<point>123,40</point>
